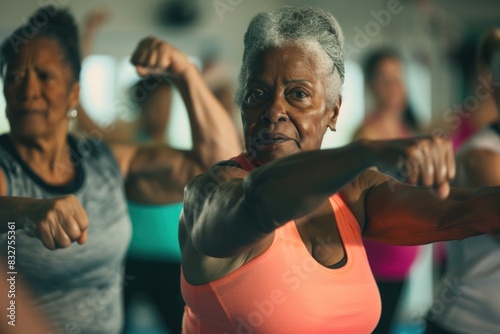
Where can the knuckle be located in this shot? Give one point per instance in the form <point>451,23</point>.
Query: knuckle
<point>73,231</point>
<point>64,243</point>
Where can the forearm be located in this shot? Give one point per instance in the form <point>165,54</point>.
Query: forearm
<point>292,187</point>
<point>405,215</point>
<point>475,215</point>
<point>11,210</point>
<point>213,132</point>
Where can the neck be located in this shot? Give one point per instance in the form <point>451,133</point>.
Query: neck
<point>43,152</point>
<point>389,114</point>
<point>157,137</point>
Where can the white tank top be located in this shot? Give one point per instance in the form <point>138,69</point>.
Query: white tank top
<point>468,298</point>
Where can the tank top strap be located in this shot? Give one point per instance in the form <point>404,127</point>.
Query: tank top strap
<point>346,221</point>
<point>244,161</point>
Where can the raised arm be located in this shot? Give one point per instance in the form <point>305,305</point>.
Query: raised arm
<point>158,173</point>
<point>227,213</point>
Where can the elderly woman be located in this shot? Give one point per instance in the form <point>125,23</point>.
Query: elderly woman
<point>58,189</point>
<point>272,239</point>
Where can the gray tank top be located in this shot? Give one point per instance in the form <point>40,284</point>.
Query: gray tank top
<point>80,287</point>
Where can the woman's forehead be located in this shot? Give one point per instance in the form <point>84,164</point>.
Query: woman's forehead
<point>290,62</point>
<point>40,51</point>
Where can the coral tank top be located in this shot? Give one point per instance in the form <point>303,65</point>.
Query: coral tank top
<point>285,290</point>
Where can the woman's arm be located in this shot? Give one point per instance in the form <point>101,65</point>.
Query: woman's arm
<point>227,212</point>
<point>400,214</point>
<point>57,222</point>
<point>158,173</point>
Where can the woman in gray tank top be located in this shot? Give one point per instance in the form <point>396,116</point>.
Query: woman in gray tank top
<point>65,197</point>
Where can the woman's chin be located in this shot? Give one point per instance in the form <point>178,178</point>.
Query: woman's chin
<point>264,156</point>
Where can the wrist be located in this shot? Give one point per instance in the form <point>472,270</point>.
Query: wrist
<point>370,152</point>
<point>187,73</point>
<point>20,216</point>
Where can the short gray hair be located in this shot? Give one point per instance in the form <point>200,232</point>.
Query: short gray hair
<point>311,28</point>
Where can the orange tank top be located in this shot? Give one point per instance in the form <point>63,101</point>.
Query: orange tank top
<point>285,290</point>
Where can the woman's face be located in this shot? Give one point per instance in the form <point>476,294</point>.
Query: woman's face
<point>155,112</point>
<point>285,108</point>
<point>388,85</point>
<point>39,90</point>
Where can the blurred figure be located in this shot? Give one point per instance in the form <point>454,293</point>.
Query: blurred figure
<point>153,258</point>
<point>391,118</point>
<point>468,299</point>
<point>472,118</point>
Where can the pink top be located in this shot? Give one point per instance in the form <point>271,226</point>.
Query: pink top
<point>285,290</point>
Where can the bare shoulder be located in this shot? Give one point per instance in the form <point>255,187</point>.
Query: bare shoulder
<point>478,168</point>
<point>3,183</point>
<point>223,171</point>
<point>201,186</point>
<point>198,268</point>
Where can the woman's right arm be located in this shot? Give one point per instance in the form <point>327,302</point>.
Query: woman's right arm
<point>227,211</point>
<point>57,222</point>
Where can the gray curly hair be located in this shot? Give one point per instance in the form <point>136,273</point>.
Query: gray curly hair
<point>310,28</point>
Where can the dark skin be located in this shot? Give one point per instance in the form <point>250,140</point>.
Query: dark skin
<point>230,215</point>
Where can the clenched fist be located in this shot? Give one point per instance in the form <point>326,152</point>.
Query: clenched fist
<point>57,222</point>
<point>154,56</point>
<point>426,161</point>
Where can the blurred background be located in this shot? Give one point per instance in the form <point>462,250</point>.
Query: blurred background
<point>436,40</point>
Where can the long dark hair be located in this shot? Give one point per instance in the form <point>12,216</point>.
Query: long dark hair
<point>370,66</point>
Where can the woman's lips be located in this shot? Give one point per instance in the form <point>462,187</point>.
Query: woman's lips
<point>28,113</point>
<point>271,139</point>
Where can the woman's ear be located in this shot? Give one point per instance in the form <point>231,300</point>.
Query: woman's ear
<point>332,123</point>
<point>74,95</point>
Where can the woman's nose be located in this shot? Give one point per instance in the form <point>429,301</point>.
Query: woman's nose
<point>30,87</point>
<point>275,112</point>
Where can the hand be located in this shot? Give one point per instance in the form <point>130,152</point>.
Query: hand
<point>93,22</point>
<point>426,161</point>
<point>57,222</point>
<point>97,18</point>
<point>154,56</point>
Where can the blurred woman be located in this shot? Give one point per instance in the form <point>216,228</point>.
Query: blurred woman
<point>391,118</point>
<point>70,194</point>
<point>153,256</point>
<point>468,298</point>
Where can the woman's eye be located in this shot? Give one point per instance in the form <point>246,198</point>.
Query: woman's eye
<point>45,76</point>
<point>298,94</point>
<point>254,95</point>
